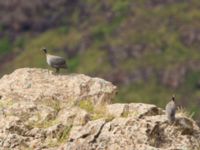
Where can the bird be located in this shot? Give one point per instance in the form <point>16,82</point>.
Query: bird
<point>170,110</point>
<point>56,62</point>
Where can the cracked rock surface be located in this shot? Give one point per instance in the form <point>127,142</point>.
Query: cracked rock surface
<point>36,84</point>
<point>43,111</point>
<point>149,132</point>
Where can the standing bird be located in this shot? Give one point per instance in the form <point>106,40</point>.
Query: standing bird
<point>170,110</point>
<point>55,61</point>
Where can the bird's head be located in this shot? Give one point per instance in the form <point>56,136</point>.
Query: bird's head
<point>44,50</point>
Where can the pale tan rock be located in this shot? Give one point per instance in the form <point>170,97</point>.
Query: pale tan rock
<point>118,110</point>
<point>151,131</point>
<point>39,110</point>
<point>91,129</point>
<point>74,130</point>
<point>36,133</point>
<point>136,110</point>
<point>73,116</point>
<point>82,117</point>
<point>30,111</point>
<point>46,113</point>
<point>21,107</point>
<point>55,130</point>
<point>15,127</point>
<point>13,140</point>
<point>36,84</point>
<point>35,144</point>
<point>139,110</point>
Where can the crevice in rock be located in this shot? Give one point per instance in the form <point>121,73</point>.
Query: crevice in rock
<point>97,135</point>
<point>85,135</point>
<point>152,112</point>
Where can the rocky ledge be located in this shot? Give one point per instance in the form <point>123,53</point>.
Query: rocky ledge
<point>44,111</point>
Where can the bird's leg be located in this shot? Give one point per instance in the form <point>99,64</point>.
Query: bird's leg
<point>57,70</point>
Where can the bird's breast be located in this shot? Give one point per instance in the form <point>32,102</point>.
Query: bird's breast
<point>49,61</point>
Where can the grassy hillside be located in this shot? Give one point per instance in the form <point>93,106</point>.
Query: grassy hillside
<point>150,49</point>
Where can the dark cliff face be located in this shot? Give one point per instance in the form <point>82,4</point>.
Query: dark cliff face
<point>36,16</point>
<point>149,48</point>
<point>109,22</point>
<point>39,15</point>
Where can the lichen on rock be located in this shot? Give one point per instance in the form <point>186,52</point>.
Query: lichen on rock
<point>41,110</point>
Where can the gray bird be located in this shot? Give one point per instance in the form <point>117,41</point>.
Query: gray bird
<point>170,110</point>
<point>56,62</point>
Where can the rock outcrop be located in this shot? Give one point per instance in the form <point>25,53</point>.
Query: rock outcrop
<point>40,110</point>
<point>38,84</point>
<point>144,127</point>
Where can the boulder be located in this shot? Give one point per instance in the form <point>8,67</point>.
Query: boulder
<point>137,110</point>
<point>41,110</point>
<point>118,110</point>
<point>33,84</point>
<point>135,126</point>
<point>73,116</point>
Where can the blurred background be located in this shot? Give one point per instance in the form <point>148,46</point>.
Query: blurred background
<point>150,49</point>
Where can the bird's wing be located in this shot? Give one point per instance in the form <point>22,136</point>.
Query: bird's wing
<point>55,57</point>
<point>173,112</point>
<point>57,60</point>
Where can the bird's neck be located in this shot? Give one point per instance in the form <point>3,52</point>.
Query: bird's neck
<point>49,55</point>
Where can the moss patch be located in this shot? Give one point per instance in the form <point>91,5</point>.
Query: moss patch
<point>86,105</point>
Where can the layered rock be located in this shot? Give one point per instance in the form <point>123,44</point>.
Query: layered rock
<point>145,129</point>
<point>41,110</point>
<point>37,84</point>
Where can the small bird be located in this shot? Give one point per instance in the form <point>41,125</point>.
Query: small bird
<point>170,110</point>
<point>56,62</point>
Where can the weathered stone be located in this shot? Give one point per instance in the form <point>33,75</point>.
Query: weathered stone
<point>73,116</point>
<point>35,144</point>
<point>36,133</point>
<point>46,113</point>
<point>35,84</point>
<point>55,131</point>
<point>40,111</point>
<point>14,125</point>
<point>67,115</point>
<point>13,140</point>
<point>118,110</point>
<point>148,132</point>
<point>91,130</point>
<point>82,117</point>
<point>139,110</point>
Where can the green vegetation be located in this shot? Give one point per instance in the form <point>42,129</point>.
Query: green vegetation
<point>97,112</point>
<point>61,138</point>
<point>73,64</point>
<point>97,59</point>
<point>43,123</point>
<point>64,135</point>
<point>116,39</point>
<point>149,88</point>
<point>55,104</point>
<point>6,103</point>
<point>86,105</point>
<point>125,114</point>
<point>5,45</point>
